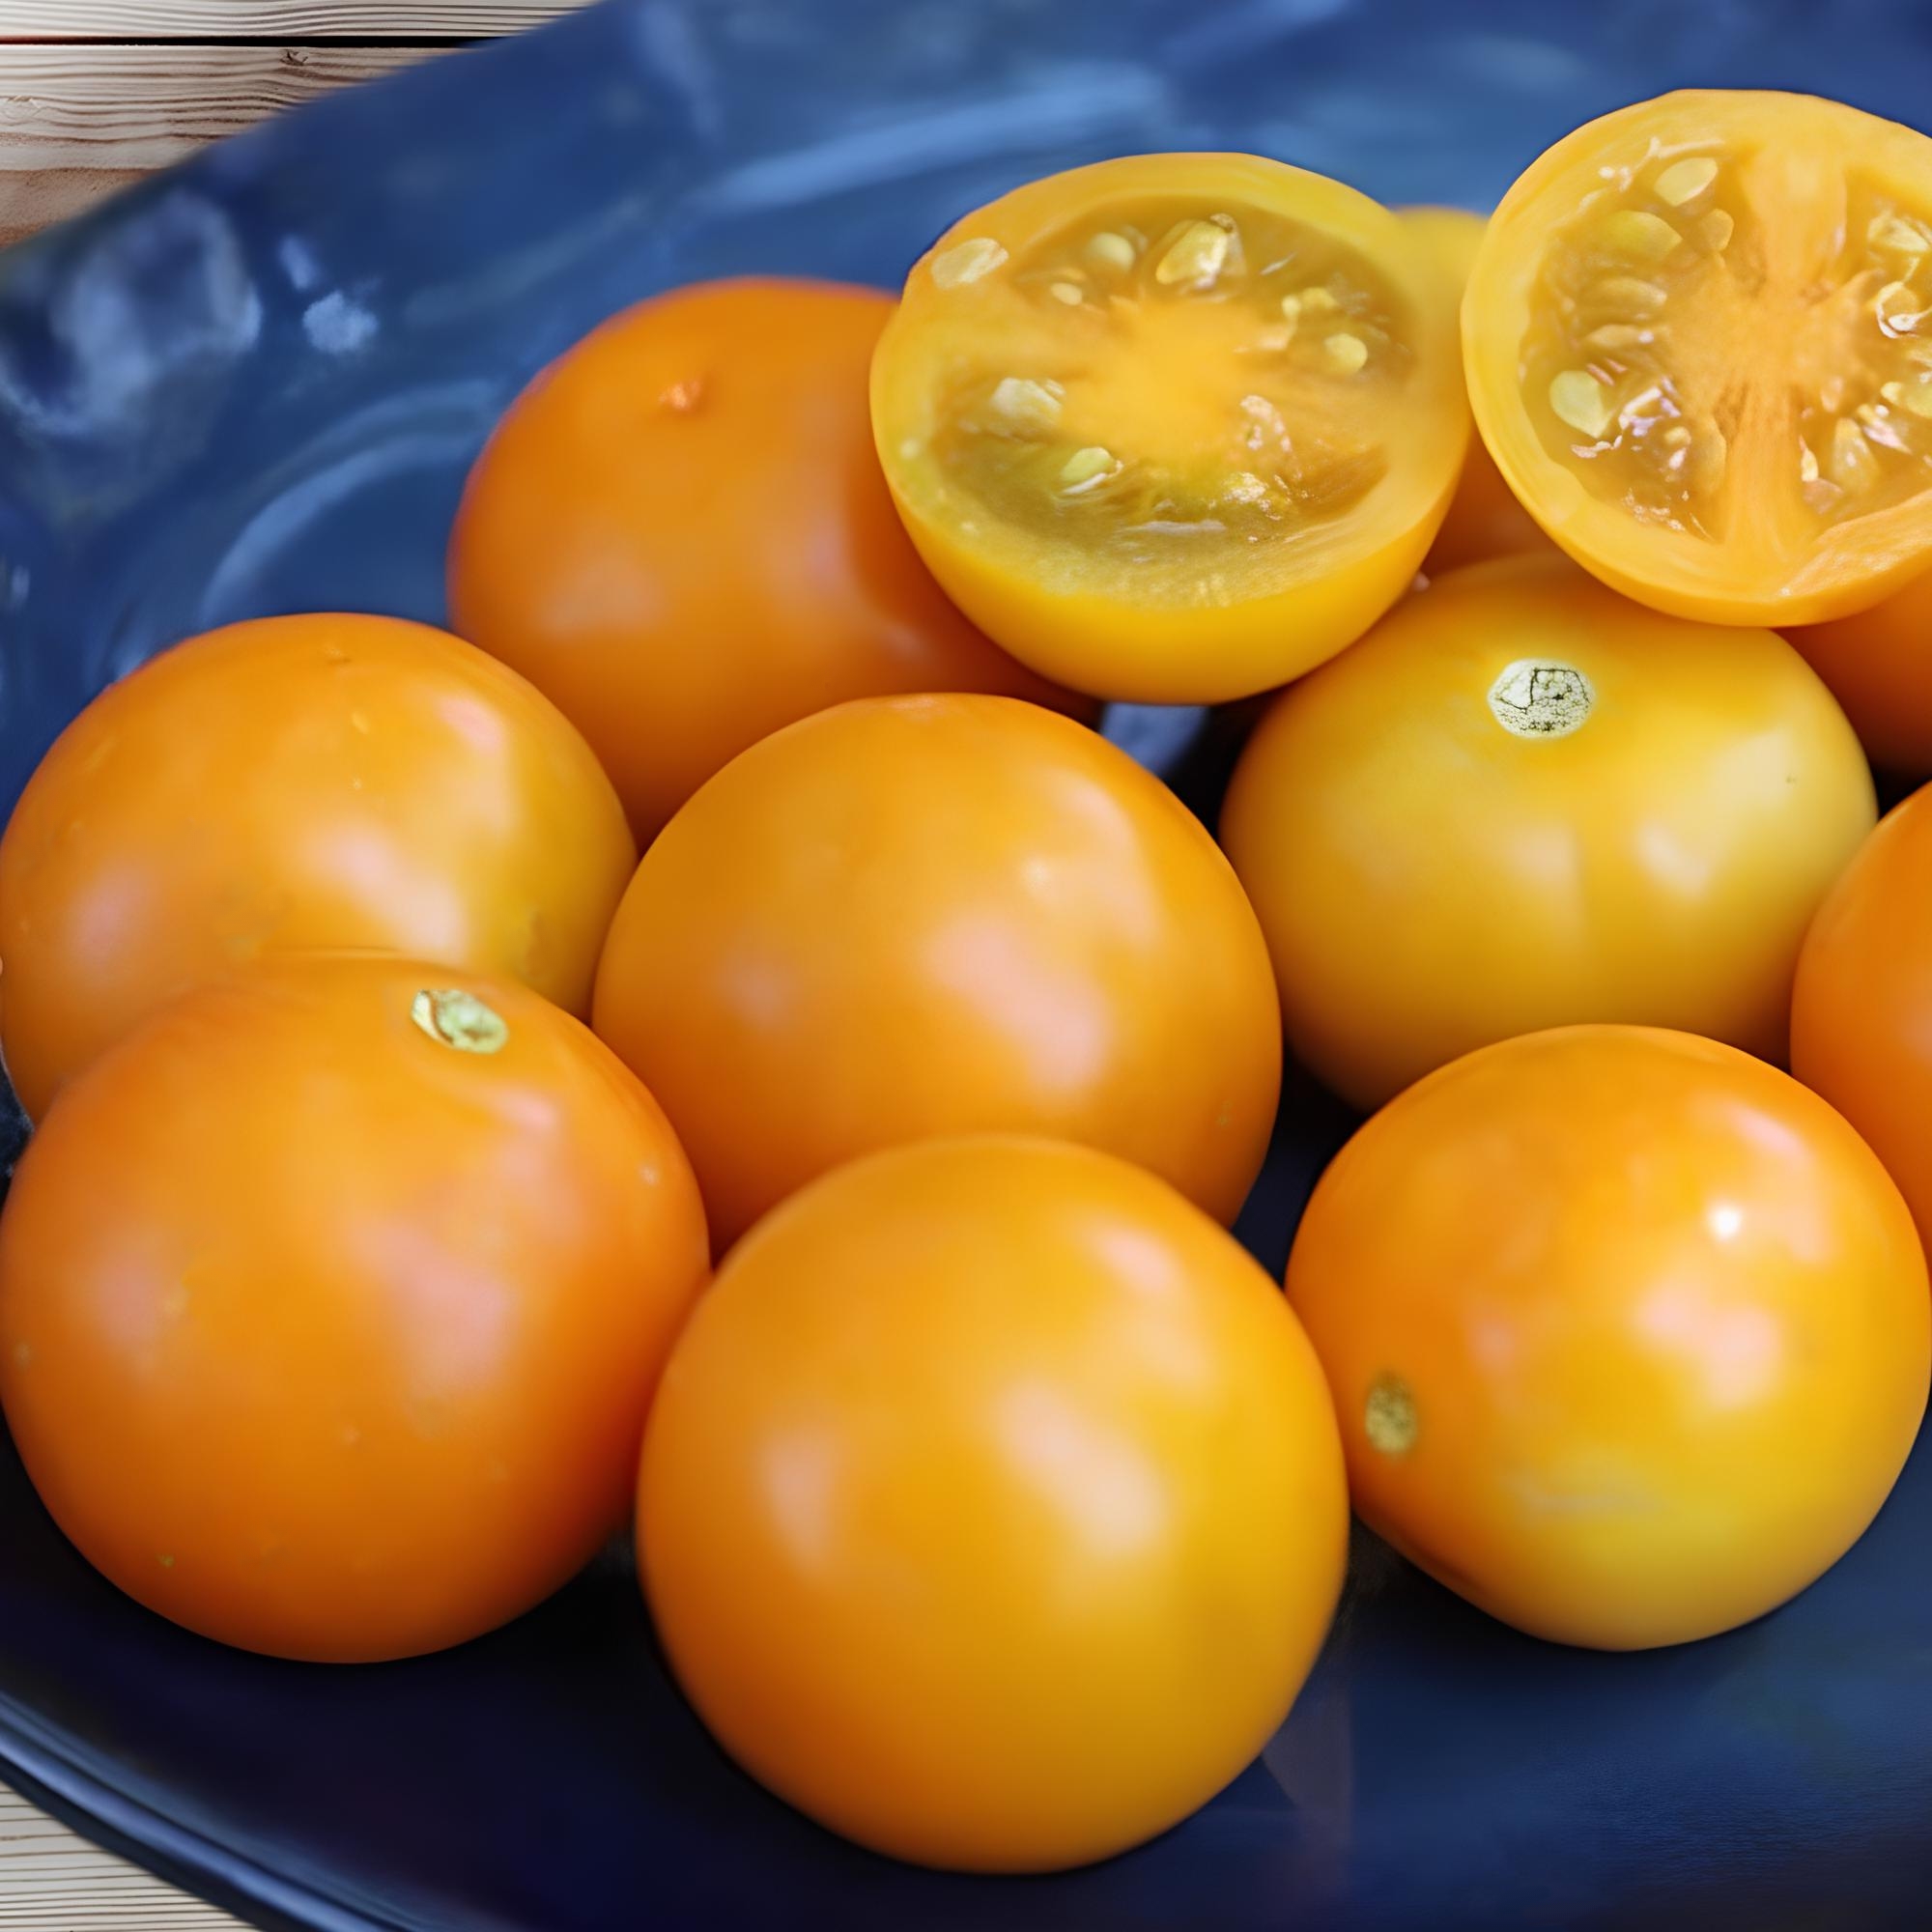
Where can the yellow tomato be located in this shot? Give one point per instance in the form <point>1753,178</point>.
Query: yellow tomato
<point>1879,666</point>
<point>1693,349</point>
<point>1172,428</point>
<point>991,1508</point>
<point>1485,519</point>
<point>915,917</point>
<point>1628,1333</point>
<point>1524,801</point>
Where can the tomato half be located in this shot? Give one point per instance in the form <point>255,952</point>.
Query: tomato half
<point>926,915</point>
<point>1628,1334</point>
<point>1172,428</point>
<point>1524,801</point>
<point>1879,666</point>
<point>1485,519</point>
<point>1700,350</point>
<point>332,1299</point>
<point>1862,1009</point>
<point>992,1511</point>
<point>294,783</point>
<point>679,532</point>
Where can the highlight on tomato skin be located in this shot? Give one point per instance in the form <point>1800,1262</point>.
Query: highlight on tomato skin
<point>1878,664</point>
<point>679,533</point>
<point>1172,429</point>
<point>1524,801</point>
<point>991,1509</point>
<point>1693,349</point>
<point>1485,519</point>
<point>1629,1333</point>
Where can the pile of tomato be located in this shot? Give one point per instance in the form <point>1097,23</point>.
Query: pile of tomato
<point>425,1182</point>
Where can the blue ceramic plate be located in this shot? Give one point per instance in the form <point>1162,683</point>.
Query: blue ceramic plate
<point>254,386</point>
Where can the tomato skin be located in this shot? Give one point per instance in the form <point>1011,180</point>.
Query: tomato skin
<point>327,1339</point>
<point>1119,640</point>
<point>928,916</point>
<point>1485,519</point>
<point>1860,1032</point>
<point>1431,881</point>
<point>289,784</point>
<point>1878,667</point>
<point>1040,1424</point>
<point>679,532</point>
<point>1640,1324</point>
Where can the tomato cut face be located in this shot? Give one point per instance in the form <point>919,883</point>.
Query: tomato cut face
<point>1700,346</point>
<point>1177,427</point>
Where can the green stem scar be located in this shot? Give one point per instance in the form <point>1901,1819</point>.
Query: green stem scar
<point>459,1019</point>
<point>1388,1417</point>
<point>1538,698</point>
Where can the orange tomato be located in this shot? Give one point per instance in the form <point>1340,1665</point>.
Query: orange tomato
<point>992,1511</point>
<point>679,532</point>
<point>1862,1009</point>
<point>1879,666</point>
<point>1172,428</point>
<point>332,1299</point>
<point>1524,801</point>
<point>1485,519</point>
<point>294,783</point>
<point>926,915</point>
<point>1628,1334</point>
<point>1690,350</point>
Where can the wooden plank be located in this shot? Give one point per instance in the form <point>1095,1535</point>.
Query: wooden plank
<point>79,122</point>
<point>271,19</point>
<point>52,1881</point>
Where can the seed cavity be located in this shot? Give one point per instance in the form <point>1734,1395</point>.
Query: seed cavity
<point>1024,403</point>
<point>1646,237</point>
<point>455,1018</point>
<point>1686,180</point>
<point>1715,230</point>
<point>1197,257</point>
<point>1111,252</point>
<point>1085,470</point>
<point>1388,1416</point>
<point>1894,232</point>
<point>1581,402</point>
<point>1631,293</point>
<point>1807,463</point>
<point>1541,697</point>
<point>1345,353</point>
<point>1854,466</point>
<point>1617,335</point>
<point>967,260</point>
<point>1067,293</point>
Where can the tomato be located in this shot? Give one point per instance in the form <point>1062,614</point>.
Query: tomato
<point>926,915</point>
<point>1172,428</point>
<point>1879,666</point>
<point>1628,1334</point>
<point>1485,519</point>
<point>1862,1009</point>
<point>680,533</point>
<point>332,1299</point>
<point>288,784</point>
<point>992,1511</point>
<point>1524,801</point>
<point>1692,337</point>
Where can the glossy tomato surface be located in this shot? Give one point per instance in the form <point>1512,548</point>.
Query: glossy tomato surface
<point>289,784</point>
<point>332,1299</point>
<point>928,916</point>
<point>992,1510</point>
<point>1172,428</point>
<point>680,533</point>
<point>1862,1009</point>
<point>1879,666</point>
<point>1628,1332</point>
<point>1485,519</point>
<point>1524,801</point>
<point>1693,349</point>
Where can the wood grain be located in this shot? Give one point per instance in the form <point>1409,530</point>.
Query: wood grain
<point>52,1881</point>
<point>77,122</point>
<point>271,19</point>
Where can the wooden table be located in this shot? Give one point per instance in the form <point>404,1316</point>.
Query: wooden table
<point>93,93</point>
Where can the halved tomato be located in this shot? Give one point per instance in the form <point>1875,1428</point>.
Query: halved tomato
<point>1699,347</point>
<point>1174,428</point>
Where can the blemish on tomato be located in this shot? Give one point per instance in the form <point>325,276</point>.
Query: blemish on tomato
<point>1388,1416</point>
